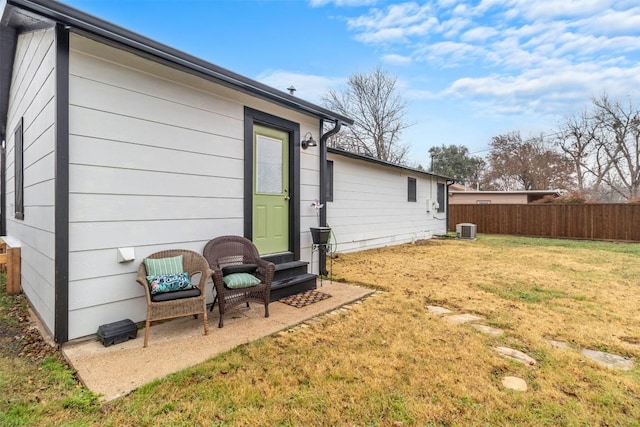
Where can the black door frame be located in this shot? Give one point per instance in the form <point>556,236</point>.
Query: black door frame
<point>255,117</point>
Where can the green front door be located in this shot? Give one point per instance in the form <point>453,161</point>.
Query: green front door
<point>270,190</point>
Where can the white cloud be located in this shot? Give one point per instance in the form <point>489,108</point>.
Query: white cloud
<point>446,3</point>
<point>612,22</point>
<point>396,59</point>
<point>308,87</point>
<point>449,54</point>
<point>451,28</point>
<point>397,23</point>
<point>550,9</point>
<point>539,92</point>
<point>478,34</point>
<point>342,3</point>
<point>542,59</point>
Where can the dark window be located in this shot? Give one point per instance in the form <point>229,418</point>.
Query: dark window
<point>411,190</point>
<point>440,197</point>
<point>19,171</point>
<point>329,183</point>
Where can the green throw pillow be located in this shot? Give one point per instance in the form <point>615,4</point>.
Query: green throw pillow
<point>240,280</point>
<point>160,266</point>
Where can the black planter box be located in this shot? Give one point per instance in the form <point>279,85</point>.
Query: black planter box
<point>117,332</point>
<point>320,235</point>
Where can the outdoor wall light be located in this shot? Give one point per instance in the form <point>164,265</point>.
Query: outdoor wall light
<point>308,141</point>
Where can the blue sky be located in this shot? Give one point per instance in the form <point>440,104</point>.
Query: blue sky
<point>469,70</point>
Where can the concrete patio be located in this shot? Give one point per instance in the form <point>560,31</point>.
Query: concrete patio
<point>174,345</point>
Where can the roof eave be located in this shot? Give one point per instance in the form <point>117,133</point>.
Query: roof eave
<point>356,156</point>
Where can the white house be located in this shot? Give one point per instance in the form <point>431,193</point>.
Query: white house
<point>114,141</point>
<point>115,144</point>
<point>372,203</point>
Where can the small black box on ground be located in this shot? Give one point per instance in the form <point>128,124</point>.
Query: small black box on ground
<point>117,332</point>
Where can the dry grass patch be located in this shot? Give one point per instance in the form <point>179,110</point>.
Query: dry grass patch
<point>389,361</point>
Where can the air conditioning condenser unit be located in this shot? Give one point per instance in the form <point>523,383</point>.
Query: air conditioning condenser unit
<point>466,231</point>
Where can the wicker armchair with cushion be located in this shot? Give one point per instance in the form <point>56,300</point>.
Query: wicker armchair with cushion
<point>175,286</point>
<point>239,274</point>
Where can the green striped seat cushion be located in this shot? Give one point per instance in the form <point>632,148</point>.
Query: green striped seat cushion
<point>240,280</point>
<point>160,266</point>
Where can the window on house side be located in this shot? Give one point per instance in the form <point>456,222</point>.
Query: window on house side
<point>19,170</point>
<point>483,202</point>
<point>411,190</point>
<point>329,183</point>
<point>441,206</point>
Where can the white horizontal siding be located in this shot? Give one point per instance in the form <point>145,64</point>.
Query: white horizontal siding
<point>131,207</point>
<point>91,179</point>
<point>85,321</point>
<point>118,128</point>
<point>370,207</point>
<point>32,97</point>
<point>156,162</point>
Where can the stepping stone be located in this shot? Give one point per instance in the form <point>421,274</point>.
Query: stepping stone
<point>559,344</point>
<point>514,383</point>
<point>459,319</point>
<point>438,310</point>
<point>609,360</point>
<point>516,355</point>
<point>488,329</point>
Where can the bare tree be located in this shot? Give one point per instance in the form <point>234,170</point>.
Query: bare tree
<point>576,139</point>
<point>378,111</point>
<point>514,164</point>
<point>620,142</point>
<point>604,145</point>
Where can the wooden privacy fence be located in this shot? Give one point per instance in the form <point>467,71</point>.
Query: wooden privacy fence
<point>611,221</point>
<point>10,263</point>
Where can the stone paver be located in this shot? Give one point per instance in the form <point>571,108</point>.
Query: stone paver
<point>516,355</point>
<point>459,319</point>
<point>559,344</point>
<point>438,310</point>
<point>488,329</point>
<point>518,384</point>
<point>609,360</point>
<point>514,383</point>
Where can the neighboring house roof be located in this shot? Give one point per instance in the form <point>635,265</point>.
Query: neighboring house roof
<point>460,187</point>
<point>382,162</point>
<point>29,15</point>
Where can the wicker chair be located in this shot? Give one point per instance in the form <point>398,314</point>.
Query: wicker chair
<point>235,250</point>
<point>175,304</point>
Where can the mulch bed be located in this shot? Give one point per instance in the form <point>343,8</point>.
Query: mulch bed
<point>305,298</point>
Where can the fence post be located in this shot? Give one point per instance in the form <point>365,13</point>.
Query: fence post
<point>10,258</point>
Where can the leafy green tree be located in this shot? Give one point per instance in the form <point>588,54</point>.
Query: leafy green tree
<point>455,161</point>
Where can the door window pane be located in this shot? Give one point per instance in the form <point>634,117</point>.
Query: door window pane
<point>268,165</point>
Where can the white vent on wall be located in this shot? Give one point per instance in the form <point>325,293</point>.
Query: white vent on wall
<point>466,231</point>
